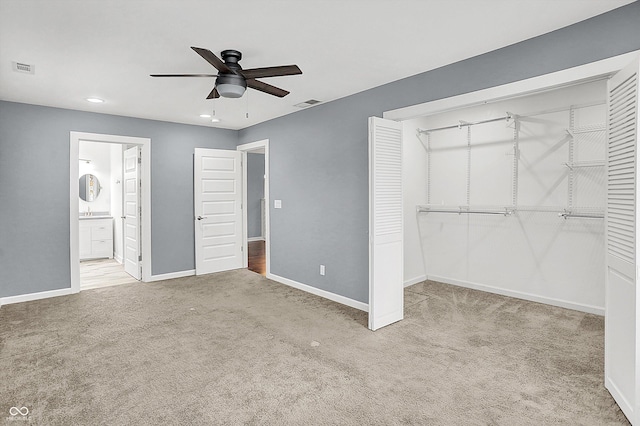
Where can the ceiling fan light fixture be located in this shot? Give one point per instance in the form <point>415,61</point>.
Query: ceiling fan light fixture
<point>231,85</point>
<point>230,90</point>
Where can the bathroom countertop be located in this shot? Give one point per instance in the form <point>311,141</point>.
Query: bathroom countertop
<point>101,216</point>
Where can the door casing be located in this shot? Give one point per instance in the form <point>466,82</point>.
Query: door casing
<point>74,194</point>
<point>261,146</point>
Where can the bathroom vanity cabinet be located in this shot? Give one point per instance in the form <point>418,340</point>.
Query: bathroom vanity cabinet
<point>96,238</point>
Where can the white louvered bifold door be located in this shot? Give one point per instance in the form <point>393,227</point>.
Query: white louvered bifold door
<point>386,290</point>
<point>621,301</point>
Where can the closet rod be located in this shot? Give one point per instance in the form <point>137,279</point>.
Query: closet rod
<point>583,216</point>
<point>504,212</point>
<point>509,116</point>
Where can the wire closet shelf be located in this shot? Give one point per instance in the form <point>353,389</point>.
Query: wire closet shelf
<point>568,212</point>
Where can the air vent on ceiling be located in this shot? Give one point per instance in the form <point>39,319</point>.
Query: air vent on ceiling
<point>308,103</point>
<point>24,68</point>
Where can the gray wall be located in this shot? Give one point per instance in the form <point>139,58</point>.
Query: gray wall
<point>34,172</point>
<point>255,192</point>
<point>318,157</point>
<point>318,166</point>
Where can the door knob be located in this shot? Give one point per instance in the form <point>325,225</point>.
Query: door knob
<point>200,217</point>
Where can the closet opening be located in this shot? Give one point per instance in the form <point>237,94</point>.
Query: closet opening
<point>509,197</point>
<point>529,152</point>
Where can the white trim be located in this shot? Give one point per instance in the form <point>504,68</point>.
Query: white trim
<point>415,280</point>
<point>567,77</point>
<point>118,259</point>
<point>618,396</point>
<point>318,292</point>
<point>74,244</point>
<point>172,275</point>
<point>34,296</point>
<point>262,145</point>
<point>597,310</point>
<point>245,209</point>
<point>252,239</point>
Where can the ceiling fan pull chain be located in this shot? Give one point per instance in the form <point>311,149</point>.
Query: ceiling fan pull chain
<point>247,104</point>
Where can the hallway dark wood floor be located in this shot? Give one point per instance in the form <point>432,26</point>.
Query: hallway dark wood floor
<point>257,257</point>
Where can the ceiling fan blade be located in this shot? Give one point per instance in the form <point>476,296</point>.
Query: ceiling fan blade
<point>267,88</point>
<point>214,94</point>
<point>210,57</point>
<point>270,71</point>
<point>184,75</point>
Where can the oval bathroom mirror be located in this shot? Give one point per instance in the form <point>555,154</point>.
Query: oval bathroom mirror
<point>89,187</point>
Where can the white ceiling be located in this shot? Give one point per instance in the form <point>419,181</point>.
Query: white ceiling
<point>108,48</point>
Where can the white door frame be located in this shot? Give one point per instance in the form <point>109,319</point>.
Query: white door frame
<point>262,145</point>
<point>569,77</point>
<point>74,204</point>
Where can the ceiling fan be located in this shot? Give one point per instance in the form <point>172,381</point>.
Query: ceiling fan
<point>232,80</point>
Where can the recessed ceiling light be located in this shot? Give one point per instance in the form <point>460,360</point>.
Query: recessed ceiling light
<point>205,115</point>
<point>215,120</point>
<point>95,100</point>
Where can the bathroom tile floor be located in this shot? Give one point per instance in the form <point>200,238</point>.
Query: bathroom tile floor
<point>103,273</point>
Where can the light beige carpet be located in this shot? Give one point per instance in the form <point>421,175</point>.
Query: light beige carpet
<point>236,348</point>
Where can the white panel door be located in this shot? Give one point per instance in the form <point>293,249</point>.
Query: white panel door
<point>386,289</point>
<point>218,210</point>
<point>622,362</point>
<point>131,195</point>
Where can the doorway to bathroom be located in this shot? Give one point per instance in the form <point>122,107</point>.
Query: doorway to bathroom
<point>109,210</point>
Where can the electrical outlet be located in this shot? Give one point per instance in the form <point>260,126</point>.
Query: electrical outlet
<point>321,269</point>
<point>277,204</point>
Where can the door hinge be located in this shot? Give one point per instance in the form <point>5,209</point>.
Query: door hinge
<point>241,248</point>
<point>139,160</point>
<point>140,210</point>
<point>139,258</point>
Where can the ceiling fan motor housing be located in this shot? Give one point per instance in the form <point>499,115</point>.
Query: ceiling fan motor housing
<point>231,85</point>
<point>231,56</point>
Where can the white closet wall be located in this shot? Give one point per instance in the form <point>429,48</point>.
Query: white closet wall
<point>533,253</point>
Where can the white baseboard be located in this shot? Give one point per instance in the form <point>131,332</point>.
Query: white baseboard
<point>249,240</point>
<point>118,259</point>
<point>621,400</point>
<point>322,293</point>
<point>597,310</point>
<point>415,280</point>
<point>34,296</point>
<point>172,275</point>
